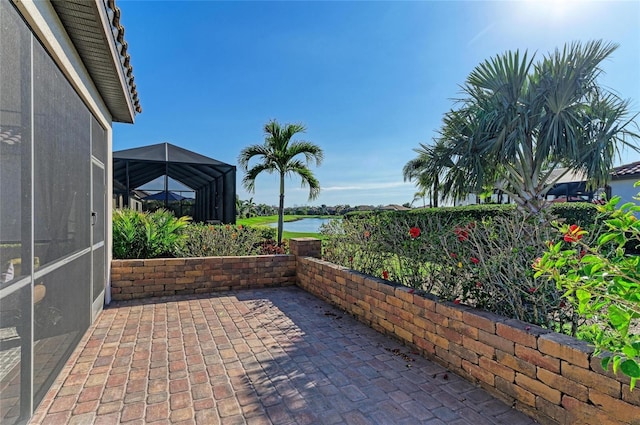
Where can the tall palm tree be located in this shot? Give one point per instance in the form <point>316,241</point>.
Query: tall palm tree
<point>278,155</point>
<point>520,120</point>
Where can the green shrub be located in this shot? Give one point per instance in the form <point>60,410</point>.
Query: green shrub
<point>147,235</point>
<point>581,213</point>
<point>222,240</point>
<point>602,280</point>
<point>479,255</point>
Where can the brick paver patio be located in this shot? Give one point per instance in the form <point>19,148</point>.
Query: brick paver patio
<point>272,356</point>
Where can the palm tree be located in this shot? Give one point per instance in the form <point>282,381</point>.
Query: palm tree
<point>278,155</point>
<point>421,194</point>
<point>428,169</point>
<point>519,121</point>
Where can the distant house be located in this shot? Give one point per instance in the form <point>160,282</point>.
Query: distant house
<point>65,78</point>
<point>395,207</point>
<point>623,179</point>
<point>569,187</point>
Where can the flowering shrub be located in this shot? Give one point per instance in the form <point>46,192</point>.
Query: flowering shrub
<point>222,240</point>
<point>485,263</point>
<point>602,281</point>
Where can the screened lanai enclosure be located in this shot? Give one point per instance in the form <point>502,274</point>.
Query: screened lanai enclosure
<point>213,181</point>
<point>65,77</point>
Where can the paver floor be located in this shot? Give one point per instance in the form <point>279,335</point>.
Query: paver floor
<point>273,356</point>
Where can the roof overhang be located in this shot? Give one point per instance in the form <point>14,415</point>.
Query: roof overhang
<point>95,31</point>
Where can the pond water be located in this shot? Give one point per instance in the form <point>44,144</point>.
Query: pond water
<point>306,225</point>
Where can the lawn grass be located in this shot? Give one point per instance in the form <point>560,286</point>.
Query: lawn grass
<point>265,220</point>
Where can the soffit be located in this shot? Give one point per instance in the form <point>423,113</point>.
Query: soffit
<point>95,31</point>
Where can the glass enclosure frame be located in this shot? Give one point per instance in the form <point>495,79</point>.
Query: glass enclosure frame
<point>53,218</point>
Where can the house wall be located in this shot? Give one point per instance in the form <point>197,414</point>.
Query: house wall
<point>624,189</point>
<point>55,158</point>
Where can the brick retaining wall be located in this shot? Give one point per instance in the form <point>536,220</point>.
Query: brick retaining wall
<point>552,377</point>
<point>175,276</point>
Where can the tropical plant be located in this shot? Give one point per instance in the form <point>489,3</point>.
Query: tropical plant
<point>245,209</point>
<point>428,169</point>
<point>147,235</point>
<point>520,122</point>
<point>603,282</point>
<point>278,155</point>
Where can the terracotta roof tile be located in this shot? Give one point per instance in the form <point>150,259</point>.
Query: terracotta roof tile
<point>632,169</point>
<point>126,58</point>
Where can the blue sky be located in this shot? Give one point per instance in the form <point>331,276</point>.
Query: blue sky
<point>370,80</point>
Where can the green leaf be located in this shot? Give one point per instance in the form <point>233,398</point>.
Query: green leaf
<point>605,362</point>
<point>619,319</point>
<point>606,238</point>
<point>626,205</point>
<point>616,363</point>
<point>589,258</point>
<point>630,368</point>
<point>629,351</point>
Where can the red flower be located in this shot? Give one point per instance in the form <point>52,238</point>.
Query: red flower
<point>414,232</point>
<point>385,275</point>
<point>474,260</point>
<point>453,255</point>
<point>462,234</point>
<point>411,291</point>
<point>583,253</point>
<point>456,301</point>
<point>478,284</point>
<point>574,234</point>
<point>532,290</point>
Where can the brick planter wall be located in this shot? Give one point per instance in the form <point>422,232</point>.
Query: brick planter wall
<point>549,376</point>
<point>175,276</point>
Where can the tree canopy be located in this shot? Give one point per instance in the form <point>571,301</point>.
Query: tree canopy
<point>279,154</point>
<point>520,119</point>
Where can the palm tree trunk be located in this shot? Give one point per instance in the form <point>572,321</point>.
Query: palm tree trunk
<point>281,209</point>
<point>435,194</point>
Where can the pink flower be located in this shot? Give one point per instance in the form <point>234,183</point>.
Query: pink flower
<point>453,255</point>
<point>474,260</point>
<point>536,263</point>
<point>478,284</point>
